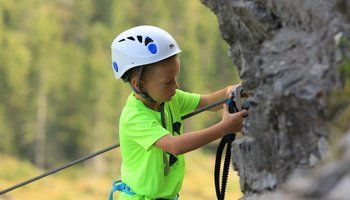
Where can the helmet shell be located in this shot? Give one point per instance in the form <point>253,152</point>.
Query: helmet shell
<point>141,45</point>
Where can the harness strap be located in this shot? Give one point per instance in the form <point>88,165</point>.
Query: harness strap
<point>162,115</point>
<point>172,158</point>
<point>122,187</point>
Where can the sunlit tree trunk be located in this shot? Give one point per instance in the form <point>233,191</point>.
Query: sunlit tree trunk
<point>41,119</point>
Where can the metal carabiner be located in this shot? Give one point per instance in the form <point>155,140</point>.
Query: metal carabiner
<point>235,102</point>
<point>238,97</point>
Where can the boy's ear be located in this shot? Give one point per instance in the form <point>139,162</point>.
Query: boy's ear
<point>139,85</point>
<point>134,82</point>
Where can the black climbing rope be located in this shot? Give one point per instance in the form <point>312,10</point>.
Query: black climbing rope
<point>235,104</point>
<point>226,141</point>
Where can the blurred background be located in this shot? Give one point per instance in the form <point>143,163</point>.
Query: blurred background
<point>59,100</point>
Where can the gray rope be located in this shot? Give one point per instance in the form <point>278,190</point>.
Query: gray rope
<point>59,168</point>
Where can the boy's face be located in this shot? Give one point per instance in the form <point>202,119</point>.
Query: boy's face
<point>160,83</point>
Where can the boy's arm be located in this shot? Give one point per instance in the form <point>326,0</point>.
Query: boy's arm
<point>193,140</point>
<point>208,99</point>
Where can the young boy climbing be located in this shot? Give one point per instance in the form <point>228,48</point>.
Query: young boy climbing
<point>151,134</point>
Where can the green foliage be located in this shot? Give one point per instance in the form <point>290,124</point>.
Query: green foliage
<point>58,96</point>
<point>345,68</point>
<point>344,46</point>
<point>339,101</point>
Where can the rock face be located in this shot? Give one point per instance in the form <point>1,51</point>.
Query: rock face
<point>329,181</point>
<point>288,54</point>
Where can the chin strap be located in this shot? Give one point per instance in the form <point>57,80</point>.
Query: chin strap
<point>137,88</point>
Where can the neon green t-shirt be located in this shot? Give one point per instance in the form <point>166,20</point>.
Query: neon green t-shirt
<point>145,167</point>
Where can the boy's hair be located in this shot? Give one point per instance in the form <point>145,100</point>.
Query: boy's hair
<point>140,72</point>
<point>146,69</point>
<point>128,75</point>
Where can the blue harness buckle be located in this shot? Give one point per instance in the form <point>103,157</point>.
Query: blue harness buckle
<point>122,187</point>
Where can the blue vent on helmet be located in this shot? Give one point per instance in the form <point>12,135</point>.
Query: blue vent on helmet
<point>115,66</point>
<point>152,48</point>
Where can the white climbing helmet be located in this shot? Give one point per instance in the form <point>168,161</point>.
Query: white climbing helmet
<point>141,45</point>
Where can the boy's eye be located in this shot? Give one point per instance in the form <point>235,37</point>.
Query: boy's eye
<point>168,82</point>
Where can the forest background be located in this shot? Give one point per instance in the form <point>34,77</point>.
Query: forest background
<point>59,100</point>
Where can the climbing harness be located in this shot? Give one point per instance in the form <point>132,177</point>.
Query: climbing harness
<point>235,104</point>
<point>122,187</point>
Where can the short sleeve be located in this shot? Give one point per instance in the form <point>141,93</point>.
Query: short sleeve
<point>143,129</point>
<point>187,101</point>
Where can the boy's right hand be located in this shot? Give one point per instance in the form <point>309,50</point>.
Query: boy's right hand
<point>233,122</point>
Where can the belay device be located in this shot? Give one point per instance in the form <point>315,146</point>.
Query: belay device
<point>235,104</point>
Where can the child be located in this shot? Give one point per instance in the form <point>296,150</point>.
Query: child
<point>151,133</point>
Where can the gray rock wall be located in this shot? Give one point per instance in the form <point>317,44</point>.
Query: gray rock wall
<point>288,53</point>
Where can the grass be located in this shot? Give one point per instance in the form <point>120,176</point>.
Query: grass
<point>198,183</point>
<point>199,179</point>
